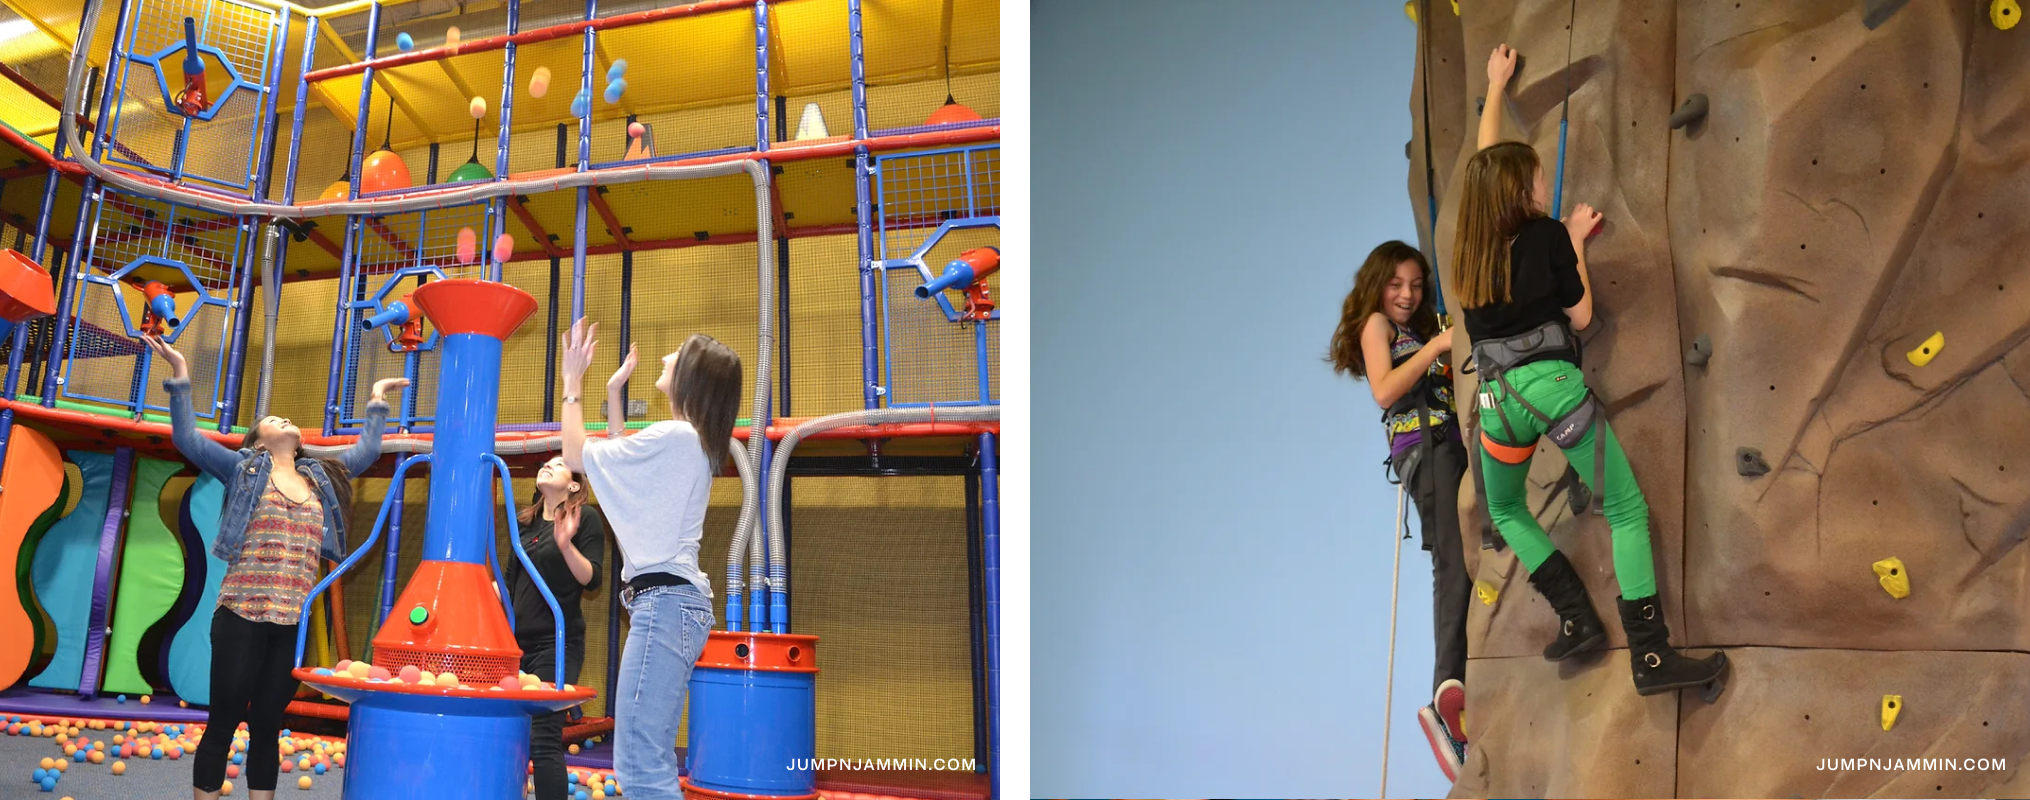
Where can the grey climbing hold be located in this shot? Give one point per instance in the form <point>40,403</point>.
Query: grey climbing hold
<point>1879,11</point>
<point>1701,352</point>
<point>1479,106</point>
<point>1748,461</point>
<point>1692,111</point>
<point>1406,149</point>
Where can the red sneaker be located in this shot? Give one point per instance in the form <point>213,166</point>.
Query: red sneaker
<point>1450,701</point>
<point>1451,754</point>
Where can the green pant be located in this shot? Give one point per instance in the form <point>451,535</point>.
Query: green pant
<point>1555,388</point>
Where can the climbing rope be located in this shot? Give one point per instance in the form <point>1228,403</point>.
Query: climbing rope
<point>1564,117</point>
<point>1430,172</point>
<point>1395,584</point>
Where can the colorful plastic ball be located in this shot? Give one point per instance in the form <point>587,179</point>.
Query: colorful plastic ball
<point>303,763</point>
<point>636,130</point>
<point>120,699</point>
<point>580,795</point>
<point>48,783</point>
<point>97,757</point>
<point>62,767</point>
<point>615,72</point>
<point>343,665</point>
<point>450,678</point>
<point>232,770</point>
<point>146,699</point>
<point>361,669</point>
<point>303,782</point>
<point>451,38</point>
<point>384,171</point>
<point>581,104</point>
<point>509,683</point>
<point>574,751</point>
<point>477,108</point>
<point>155,753</point>
<point>119,768</point>
<point>539,83</point>
<point>175,753</point>
<point>322,672</point>
<point>240,757</point>
<point>37,775</point>
<point>614,90</point>
<point>319,768</point>
<point>226,788</point>
<point>378,673</point>
<point>504,247</point>
<point>410,673</point>
<point>182,704</point>
<point>404,42</point>
<point>287,767</point>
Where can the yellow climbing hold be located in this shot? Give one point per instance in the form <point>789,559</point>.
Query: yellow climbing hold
<point>2004,13</point>
<point>1488,594</point>
<point>1925,352</point>
<point>1891,703</point>
<point>1894,576</point>
<point>1410,9</point>
<point>1455,7</point>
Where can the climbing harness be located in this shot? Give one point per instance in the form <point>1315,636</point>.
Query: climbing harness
<point>1493,358</point>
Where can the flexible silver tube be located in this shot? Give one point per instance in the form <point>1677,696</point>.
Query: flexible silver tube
<point>734,579</point>
<point>779,469</point>
<point>757,431</point>
<point>271,310</point>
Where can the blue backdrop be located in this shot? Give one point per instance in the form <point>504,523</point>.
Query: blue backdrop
<point>1212,532</point>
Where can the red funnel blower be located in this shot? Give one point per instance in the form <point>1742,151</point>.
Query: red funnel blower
<point>160,313</point>
<point>192,101</point>
<point>970,270</point>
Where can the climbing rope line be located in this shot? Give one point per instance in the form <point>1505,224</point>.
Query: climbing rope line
<point>1395,584</point>
<point>1430,172</point>
<point>1564,115</point>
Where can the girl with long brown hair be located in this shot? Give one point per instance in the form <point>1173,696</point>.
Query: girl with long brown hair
<point>566,540</point>
<point>1389,336</point>
<point>1521,281</point>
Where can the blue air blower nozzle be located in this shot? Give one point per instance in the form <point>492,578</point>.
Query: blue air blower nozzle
<point>192,101</point>
<point>397,313</point>
<point>972,265</point>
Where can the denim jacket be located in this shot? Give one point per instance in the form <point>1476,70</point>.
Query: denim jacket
<point>245,473</point>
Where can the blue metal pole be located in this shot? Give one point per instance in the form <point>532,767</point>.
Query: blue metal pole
<point>366,100</point>
<point>864,213</point>
<point>579,223</point>
<point>66,287</point>
<point>761,81</point>
<point>302,101</point>
<point>990,559</point>
<point>398,495</point>
<point>339,329</point>
<point>401,470</point>
<point>116,76</point>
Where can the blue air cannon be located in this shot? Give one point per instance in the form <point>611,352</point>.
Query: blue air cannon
<point>969,270</point>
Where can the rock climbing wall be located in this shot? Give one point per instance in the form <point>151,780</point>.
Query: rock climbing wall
<point>1850,193</point>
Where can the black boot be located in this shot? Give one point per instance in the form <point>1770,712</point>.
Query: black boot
<point>1579,628</point>
<point>1657,666</point>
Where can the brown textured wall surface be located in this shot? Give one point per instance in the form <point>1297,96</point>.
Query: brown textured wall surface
<point>1850,193</point>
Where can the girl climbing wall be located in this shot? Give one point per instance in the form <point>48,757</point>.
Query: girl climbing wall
<point>1389,336</point>
<point>1520,278</point>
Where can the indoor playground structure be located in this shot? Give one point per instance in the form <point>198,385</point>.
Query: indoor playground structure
<point>275,189</point>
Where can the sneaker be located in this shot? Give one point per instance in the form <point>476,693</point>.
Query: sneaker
<point>1450,701</point>
<point>1450,753</point>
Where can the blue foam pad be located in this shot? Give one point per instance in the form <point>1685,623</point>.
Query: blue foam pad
<point>66,562</point>
<point>190,651</point>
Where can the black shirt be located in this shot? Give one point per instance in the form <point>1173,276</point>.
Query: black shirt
<point>533,626</point>
<point>1543,281</point>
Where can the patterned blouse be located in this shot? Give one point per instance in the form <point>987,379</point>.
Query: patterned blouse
<point>1405,345</point>
<point>278,564</point>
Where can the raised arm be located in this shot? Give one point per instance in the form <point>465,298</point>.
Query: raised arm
<point>1389,384</point>
<point>579,345</point>
<point>213,458</point>
<point>362,453</point>
<point>1500,67</point>
<point>616,395</point>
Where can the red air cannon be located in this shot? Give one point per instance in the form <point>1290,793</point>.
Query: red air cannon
<point>160,311</point>
<point>970,270</point>
<point>192,101</point>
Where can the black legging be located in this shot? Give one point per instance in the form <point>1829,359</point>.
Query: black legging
<point>546,732</point>
<point>250,682</point>
<point>1435,489</point>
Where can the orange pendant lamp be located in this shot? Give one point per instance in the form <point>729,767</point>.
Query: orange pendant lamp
<point>952,111</point>
<point>384,170</point>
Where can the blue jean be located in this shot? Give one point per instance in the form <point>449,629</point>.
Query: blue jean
<point>667,630</point>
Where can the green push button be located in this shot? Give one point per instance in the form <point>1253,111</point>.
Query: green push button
<point>418,615</point>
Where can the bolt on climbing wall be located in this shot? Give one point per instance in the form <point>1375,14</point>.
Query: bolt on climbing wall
<point>1815,274</point>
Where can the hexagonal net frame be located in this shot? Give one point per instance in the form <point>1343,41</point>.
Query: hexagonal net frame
<point>392,254</point>
<point>198,254</point>
<point>241,39</point>
<point>933,206</point>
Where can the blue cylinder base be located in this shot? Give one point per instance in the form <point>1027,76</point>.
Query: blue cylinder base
<point>404,747</point>
<point>748,727</point>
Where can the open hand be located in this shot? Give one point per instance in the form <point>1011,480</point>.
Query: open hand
<point>385,385</point>
<point>1581,223</point>
<point>1500,67</point>
<point>579,345</point>
<point>565,526</point>
<point>162,349</point>
<point>626,370</point>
